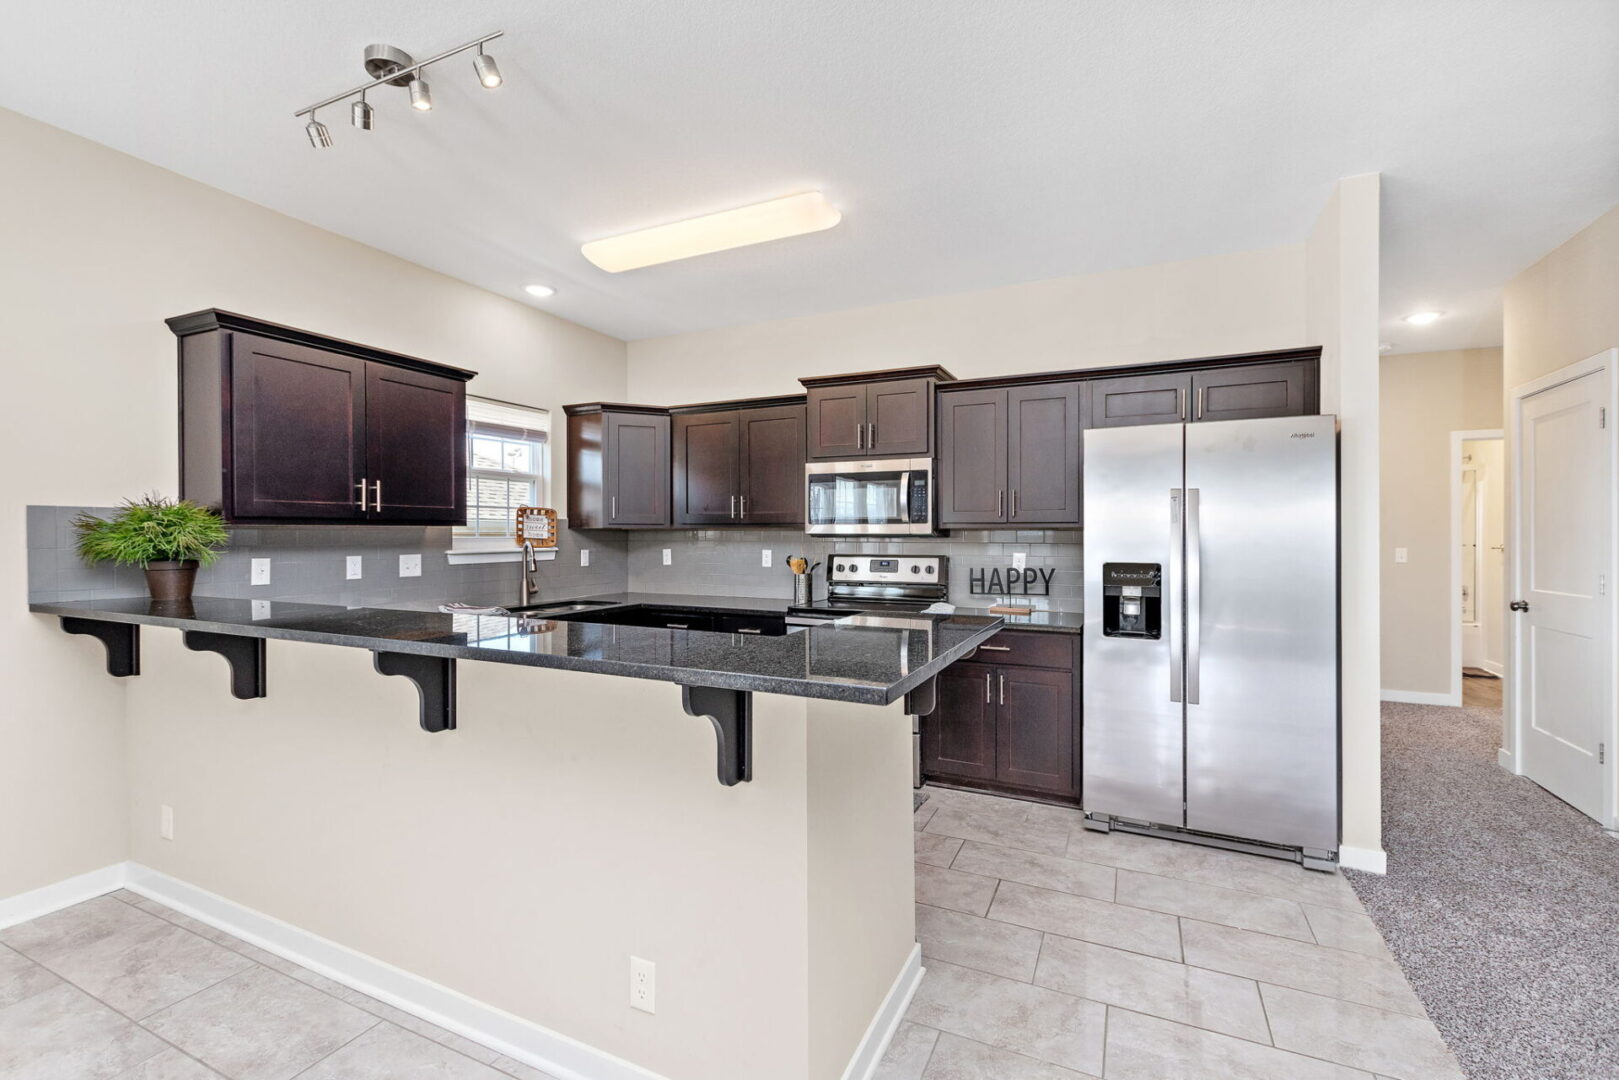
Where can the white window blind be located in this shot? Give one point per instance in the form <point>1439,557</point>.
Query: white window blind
<point>508,464</point>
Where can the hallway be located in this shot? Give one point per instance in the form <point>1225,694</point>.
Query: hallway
<point>1498,904</point>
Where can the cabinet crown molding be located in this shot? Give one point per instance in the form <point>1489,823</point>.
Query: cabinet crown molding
<point>210,319</point>
<point>927,371</point>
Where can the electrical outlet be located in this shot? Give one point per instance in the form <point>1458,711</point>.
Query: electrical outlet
<point>352,567</point>
<point>1400,555</point>
<point>165,822</point>
<point>668,556</point>
<point>261,572</point>
<point>764,556</point>
<point>261,609</point>
<point>584,556</point>
<point>1020,559</point>
<point>643,985</point>
<point>410,566</point>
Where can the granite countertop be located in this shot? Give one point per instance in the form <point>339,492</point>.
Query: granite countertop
<point>865,660</point>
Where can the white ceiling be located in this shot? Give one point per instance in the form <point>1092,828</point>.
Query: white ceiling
<point>968,144</point>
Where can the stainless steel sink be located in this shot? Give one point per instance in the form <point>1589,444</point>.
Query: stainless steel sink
<point>563,607</point>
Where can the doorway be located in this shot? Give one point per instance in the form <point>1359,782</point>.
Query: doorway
<point>1478,567</point>
<point>1561,722</point>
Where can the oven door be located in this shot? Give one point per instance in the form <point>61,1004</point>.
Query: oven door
<point>873,497</point>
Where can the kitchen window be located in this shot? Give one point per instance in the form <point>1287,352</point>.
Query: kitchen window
<point>508,465</point>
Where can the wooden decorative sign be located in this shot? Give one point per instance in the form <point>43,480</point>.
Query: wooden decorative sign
<point>537,525</point>
<point>994,581</point>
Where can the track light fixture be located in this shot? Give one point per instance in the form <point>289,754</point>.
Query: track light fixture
<point>389,66</point>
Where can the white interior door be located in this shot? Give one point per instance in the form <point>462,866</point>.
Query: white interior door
<point>1565,655</point>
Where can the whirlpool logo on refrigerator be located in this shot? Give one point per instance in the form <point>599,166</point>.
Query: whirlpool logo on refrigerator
<point>1302,435</point>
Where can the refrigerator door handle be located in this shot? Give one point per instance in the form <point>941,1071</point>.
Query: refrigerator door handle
<point>1172,594</point>
<point>1194,594</point>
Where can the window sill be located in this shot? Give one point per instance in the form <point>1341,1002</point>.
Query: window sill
<point>473,552</point>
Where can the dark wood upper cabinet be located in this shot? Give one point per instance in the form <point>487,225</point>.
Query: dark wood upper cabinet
<point>972,457</point>
<point>635,456</point>
<point>1125,400</point>
<point>958,739</point>
<point>874,414</point>
<point>280,425</point>
<point>1255,390</point>
<point>1010,457</point>
<point>837,421</point>
<point>772,465</point>
<point>1044,425</point>
<point>707,468</point>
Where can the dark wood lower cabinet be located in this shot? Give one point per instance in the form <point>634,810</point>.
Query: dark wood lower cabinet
<point>1009,726</point>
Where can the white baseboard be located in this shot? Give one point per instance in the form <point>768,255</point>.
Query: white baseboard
<point>869,1054</point>
<point>1370,860</point>
<point>1503,758</point>
<point>528,1042</point>
<point>1498,670</point>
<point>1421,697</point>
<point>49,898</point>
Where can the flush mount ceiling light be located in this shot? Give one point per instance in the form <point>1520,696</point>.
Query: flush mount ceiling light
<point>1423,318</point>
<point>777,219</point>
<point>389,66</point>
<point>541,291</point>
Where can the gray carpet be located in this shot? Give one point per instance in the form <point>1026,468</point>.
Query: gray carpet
<point>1501,903</point>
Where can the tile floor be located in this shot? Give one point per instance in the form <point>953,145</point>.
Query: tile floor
<point>1054,953</point>
<point>123,988</point>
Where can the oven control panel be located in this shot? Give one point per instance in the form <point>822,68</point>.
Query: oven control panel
<point>887,569</point>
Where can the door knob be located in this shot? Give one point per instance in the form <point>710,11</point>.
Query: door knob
<point>1519,605</point>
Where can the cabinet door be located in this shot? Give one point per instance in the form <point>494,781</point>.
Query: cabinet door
<point>899,418</point>
<point>297,442</point>
<point>837,421</point>
<point>707,484</point>
<point>1253,391</point>
<point>1125,400</point>
<point>1043,430</point>
<point>416,446</point>
<point>1034,729</point>
<point>959,738</point>
<point>773,465</point>
<point>635,463</point>
<point>972,458</point>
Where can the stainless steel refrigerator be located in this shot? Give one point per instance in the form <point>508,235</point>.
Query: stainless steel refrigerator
<point>1211,633</point>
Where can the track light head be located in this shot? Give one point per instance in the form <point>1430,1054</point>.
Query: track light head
<point>365,117</point>
<point>421,98</point>
<point>488,71</point>
<point>319,137</point>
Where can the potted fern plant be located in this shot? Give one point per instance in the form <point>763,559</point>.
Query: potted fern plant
<point>168,538</point>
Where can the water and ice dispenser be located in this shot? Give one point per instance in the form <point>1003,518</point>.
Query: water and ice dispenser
<point>1132,600</point>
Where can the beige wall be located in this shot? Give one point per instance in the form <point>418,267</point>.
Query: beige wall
<point>1341,269</point>
<point>1202,307</point>
<point>1565,307</point>
<point>98,249</point>
<point>1425,397</point>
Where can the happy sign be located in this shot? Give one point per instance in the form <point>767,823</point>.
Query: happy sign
<point>996,582</point>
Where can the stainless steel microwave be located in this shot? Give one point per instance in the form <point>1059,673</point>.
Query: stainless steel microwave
<point>869,497</point>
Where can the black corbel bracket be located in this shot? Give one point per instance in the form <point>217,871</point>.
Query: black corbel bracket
<point>244,654</point>
<point>923,699</point>
<point>434,677</point>
<point>731,712</point>
<point>123,642</point>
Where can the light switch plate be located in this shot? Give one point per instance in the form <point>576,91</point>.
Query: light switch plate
<point>352,567</point>
<point>1400,555</point>
<point>668,556</point>
<point>584,556</point>
<point>261,572</point>
<point>764,556</point>
<point>410,566</point>
<point>1020,559</point>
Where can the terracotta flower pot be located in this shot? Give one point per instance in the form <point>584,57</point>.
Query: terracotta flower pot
<point>171,581</point>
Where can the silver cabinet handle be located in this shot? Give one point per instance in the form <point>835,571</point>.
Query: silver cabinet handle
<point>733,507</point>
<point>361,486</point>
<point>1194,594</point>
<point>749,630</point>
<point>376,495</point>
<point>1000,503</point>
<point>996,648</point>
<point>744,502</point>
<point>860,436</point>
<point>1172,587</point>
<point>871,435</point>
<point>1014,502</point>
<point>613,513</point>
<point>1002,680</point>
<point>1199,413</point>
<point>677,626</point>
<point>1180,402</point>
<point>986,688</point>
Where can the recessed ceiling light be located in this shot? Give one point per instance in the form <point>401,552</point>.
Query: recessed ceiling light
<point>1386,347</point>
<point>777,219</point>
<point>1423,318</point>
<point>541,291</point>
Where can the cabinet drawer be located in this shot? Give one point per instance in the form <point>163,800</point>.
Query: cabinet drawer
<point>1028,649</point>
